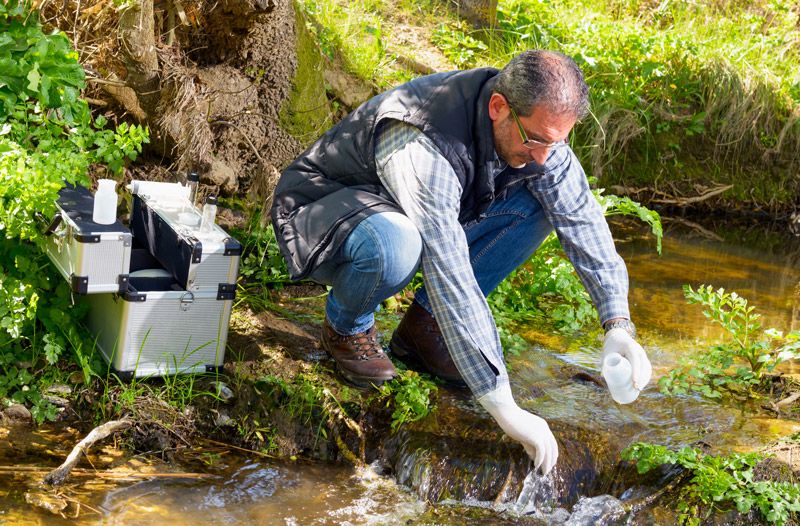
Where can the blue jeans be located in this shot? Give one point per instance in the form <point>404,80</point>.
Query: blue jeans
<point>382,254</point>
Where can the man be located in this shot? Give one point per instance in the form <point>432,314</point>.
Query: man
<point>467,172</point>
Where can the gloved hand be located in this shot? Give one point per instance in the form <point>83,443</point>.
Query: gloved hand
<point>532,431</point>
<point>618,340</point>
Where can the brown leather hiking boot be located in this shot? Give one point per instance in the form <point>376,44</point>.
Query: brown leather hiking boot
<point>418,343</point>
<point>359,358</point>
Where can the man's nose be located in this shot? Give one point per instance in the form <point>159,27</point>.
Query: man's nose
<point>540,154</point>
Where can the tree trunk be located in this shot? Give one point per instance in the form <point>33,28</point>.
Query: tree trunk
<point>138,46</point>
<point>217,83</point>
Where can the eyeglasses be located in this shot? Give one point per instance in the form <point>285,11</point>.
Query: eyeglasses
<point>532,144</point>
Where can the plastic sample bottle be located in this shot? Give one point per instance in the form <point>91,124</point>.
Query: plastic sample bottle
<point>618,374</point>
<point>104,211</point>
<point>192,180</point>
<point>209,214</point>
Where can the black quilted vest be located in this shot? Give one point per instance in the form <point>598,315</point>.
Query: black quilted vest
<point>333,185</point>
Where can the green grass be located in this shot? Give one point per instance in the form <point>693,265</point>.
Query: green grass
<point>682,93</point>
<point>355,33</point>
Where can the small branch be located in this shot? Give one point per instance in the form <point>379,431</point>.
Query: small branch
<point>242,449</point>
<point>694,226</point>
<point>501,494</point>
<point>683,201</point>
<point>788,400</point>
<point>96,102</point>
<point>782,404</point>
<point>60,474</point>
<point>634,505</point>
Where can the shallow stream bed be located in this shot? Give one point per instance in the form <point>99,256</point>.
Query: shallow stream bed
<point>238,489</point>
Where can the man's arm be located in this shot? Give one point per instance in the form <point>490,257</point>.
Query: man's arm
<point>581,227</point>
<point>427,189</point>
<point>425,186</point>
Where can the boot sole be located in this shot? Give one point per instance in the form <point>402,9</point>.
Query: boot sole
<point>360,381</point>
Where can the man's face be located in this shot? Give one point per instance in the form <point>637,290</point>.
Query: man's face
<point>541,126</point>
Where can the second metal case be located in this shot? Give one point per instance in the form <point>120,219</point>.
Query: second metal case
<point>93,258</point>
<point>169,228</point>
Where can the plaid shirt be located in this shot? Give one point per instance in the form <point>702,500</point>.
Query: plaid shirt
<point>425,186</point>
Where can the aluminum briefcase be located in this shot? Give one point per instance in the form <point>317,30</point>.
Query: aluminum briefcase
<point>156,328</point>
<point>93,258</point>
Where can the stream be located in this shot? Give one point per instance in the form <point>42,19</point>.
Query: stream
<point>237,489</point>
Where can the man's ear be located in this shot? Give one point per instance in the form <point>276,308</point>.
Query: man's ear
<point>498,107</point>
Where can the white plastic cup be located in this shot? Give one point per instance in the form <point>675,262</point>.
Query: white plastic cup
<point>618,374</point>
<point>105,202</point>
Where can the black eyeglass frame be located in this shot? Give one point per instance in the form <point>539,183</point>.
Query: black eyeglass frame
<point>533,144</point>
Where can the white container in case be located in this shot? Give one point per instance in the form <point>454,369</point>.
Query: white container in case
<point>93,258</point>
<point>160,332</point>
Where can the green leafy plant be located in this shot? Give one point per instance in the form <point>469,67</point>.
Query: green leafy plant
<point>262,264</point>
<point>458,45</point>
<point>738,365</point>
<point>719,482</point>
<point>47,138</point>
<point>34,65</point>
<point>307,399</point>
<point>410,393</point>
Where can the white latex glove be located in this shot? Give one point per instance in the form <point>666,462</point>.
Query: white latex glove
<point>620,341</point>
<point>524,427</point>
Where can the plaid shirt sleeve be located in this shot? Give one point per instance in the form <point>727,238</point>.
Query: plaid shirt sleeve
<point>581,227</point>
<point>425,186</point>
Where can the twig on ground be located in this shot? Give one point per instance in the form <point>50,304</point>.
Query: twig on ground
<point>60,474</point>
<point>501,494</point>
<point>110,475</point>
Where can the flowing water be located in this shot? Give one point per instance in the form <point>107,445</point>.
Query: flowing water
<point>240,490</point>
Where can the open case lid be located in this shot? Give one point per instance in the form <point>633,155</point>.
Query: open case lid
<point>177,247</point>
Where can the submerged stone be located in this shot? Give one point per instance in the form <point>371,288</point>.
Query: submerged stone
<point>460,453</point>
<point>17,414</point>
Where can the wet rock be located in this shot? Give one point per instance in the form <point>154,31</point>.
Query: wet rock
<point>460,453</point>
<point>17,414</point>
<point>57,401</point>
<point>223,420</point>
<point>48,501</point>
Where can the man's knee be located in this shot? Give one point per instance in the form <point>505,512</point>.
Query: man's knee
<point>396,247</point>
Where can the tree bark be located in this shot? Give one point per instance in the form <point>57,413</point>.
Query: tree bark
<point>138,42</point>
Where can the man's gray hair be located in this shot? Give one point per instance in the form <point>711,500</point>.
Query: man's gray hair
<point>544,78</point>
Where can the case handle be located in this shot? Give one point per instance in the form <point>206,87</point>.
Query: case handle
<point>57,220</point>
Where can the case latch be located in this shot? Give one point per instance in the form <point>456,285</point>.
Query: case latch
<point>186,301</point>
